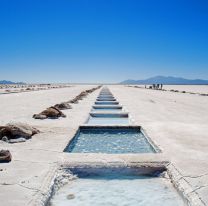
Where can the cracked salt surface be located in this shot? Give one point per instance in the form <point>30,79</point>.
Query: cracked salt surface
<point>118,190</point>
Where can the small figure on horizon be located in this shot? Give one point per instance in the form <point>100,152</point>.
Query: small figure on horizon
<point>161,86</point>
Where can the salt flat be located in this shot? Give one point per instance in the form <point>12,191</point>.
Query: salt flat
<point>33,160</point>
<point>188,88</point>
<point>176,122</point>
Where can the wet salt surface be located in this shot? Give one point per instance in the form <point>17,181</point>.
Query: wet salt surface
<point>108,120</point>
<point>106,103</point>
<point>112,141</point>
<point>118,191</point>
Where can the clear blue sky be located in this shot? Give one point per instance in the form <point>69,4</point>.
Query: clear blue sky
<point>102,40</point>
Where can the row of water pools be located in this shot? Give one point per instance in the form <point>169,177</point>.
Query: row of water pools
<point>108,130</point>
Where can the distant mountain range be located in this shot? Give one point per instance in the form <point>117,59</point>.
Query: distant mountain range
<point>166,80</point>
<point>10,82</point>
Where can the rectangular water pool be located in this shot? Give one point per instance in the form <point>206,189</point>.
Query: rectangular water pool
<point>111,140</point>
<point>107,107</point>
<point>109,114</point>
<point>105,99</point>
<point>115,189</point>
<point>106,102</point>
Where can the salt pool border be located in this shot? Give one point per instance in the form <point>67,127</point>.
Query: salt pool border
<point>60,175</point>
<point>139,128</point>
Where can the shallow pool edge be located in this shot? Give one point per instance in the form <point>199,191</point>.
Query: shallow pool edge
<point>139,128</point>
<point>58,176</point>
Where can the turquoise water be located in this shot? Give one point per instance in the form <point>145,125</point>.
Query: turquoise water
<point>118,190</point>
<point>105,99</point>
<point>112,141</point>
<point>106,102</point>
